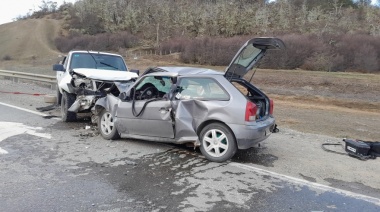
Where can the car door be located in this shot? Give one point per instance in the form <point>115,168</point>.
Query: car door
<point>150,116</point>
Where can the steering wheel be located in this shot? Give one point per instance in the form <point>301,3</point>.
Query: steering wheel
<point>148,93</point>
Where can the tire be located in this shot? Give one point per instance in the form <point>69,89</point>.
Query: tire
<point>106,126</point>
<point>218,144</point>
<point>59,97</point>
<point>66,102</point>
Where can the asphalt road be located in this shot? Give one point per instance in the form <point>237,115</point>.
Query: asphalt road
<point>48,165</point>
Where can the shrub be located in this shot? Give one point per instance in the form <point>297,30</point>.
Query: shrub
<point>298,49</point>
<point>211,51</point>
<point>7,57</point>
<point>99,42</point>
<point>360,52</point>
<point>174,45</point>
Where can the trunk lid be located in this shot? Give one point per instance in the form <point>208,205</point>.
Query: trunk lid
<point>249,54</point>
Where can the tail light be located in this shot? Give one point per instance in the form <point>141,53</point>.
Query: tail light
<point>271,105</point>
<point>250,111</point>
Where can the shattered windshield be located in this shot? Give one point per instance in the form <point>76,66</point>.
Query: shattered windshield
<point>97,61</point>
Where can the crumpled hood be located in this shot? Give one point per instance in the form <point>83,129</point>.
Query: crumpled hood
<point>106,75</point>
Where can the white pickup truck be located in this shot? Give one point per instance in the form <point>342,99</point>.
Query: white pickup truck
<point>85,76</point>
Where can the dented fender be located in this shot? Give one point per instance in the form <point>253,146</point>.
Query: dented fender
<point>108,103</point>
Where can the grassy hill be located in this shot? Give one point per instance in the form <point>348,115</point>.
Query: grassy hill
<point>28,45</point>
<point>26,39</point>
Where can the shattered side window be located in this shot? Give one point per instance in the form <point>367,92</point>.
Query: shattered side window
<point>201,88</point>
<point>162,84</point>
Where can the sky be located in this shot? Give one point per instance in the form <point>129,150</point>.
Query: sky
<point>11,9</point>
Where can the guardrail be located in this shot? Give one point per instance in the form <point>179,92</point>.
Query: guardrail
<point>15,75</point>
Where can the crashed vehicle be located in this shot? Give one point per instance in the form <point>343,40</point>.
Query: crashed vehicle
<point>85,76</point>
<point>219,112</point>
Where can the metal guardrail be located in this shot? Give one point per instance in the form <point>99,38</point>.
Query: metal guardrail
<point>15,75</point>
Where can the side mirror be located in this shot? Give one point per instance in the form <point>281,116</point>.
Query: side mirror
<point>58,67</point>
<point>127,96</point>
<point>135,71</point>
<point>124,96</point>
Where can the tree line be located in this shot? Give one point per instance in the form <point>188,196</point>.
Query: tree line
<point>324,28</point>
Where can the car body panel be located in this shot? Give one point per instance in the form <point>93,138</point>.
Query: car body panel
<point>156,117</point>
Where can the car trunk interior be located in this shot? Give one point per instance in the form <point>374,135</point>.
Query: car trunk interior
<point>254,95</point>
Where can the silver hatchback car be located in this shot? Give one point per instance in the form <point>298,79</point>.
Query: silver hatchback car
<point>219,112</point>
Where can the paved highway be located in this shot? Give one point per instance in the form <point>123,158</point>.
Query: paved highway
<point>48,165</point>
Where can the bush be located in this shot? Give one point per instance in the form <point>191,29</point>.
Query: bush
<point>99,42</point>
<point>298,49</point>
<point>174,45</point>
<point>355,52</point>
<point>211,51</point>
<point>7,57</point>
<point>360,52</point>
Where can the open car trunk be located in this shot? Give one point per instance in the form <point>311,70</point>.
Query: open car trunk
<point>244,60</point>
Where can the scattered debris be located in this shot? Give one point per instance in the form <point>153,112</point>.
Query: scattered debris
<point>47,108</point>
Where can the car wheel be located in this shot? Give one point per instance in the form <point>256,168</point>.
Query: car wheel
<point>59,97</point>
<point>66,102</point>
<point>218,144</point>
<point>106,126</point>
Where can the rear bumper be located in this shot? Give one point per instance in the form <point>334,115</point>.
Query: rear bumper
<point>251,134</point>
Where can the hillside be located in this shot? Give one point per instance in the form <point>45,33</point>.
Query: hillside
<point>28,45</point>
<point>31,38</point>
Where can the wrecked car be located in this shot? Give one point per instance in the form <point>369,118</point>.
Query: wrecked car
<point>85,76</point>
<point>219,112</point>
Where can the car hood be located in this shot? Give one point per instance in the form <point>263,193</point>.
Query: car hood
<point>249,54</point>
<point>106,75</point>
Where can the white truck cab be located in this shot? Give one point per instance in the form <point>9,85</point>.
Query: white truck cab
<point>84,76</point>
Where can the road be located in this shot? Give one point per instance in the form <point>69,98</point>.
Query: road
<point>48,165</point>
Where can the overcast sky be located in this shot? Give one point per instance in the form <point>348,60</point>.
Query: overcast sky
<point>11,9</point>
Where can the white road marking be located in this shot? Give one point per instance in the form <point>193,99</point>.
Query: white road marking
<point>8,129</point>
<point>23,109</point>
<point>302,182</point>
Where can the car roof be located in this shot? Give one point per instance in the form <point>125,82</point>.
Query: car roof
<point>187,71</point>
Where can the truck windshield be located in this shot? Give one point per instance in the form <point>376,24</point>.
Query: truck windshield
<point>97,61</point>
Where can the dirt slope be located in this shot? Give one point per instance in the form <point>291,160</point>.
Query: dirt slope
<point>29,39</point>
